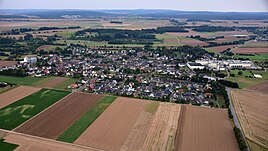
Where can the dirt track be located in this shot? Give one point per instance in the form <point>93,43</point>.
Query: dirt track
<point>53,122</point>
<point>16,94</point>
<point>205,129</point>
<point>53,82</point>
<point>114,125</point>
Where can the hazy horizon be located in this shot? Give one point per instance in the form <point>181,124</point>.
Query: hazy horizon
<point>190,5</point>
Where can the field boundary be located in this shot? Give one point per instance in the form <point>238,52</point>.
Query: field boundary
<point>41,112</point>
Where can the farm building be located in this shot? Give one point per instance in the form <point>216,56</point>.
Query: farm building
<point>194,65</point>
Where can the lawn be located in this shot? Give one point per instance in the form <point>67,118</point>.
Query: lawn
<point>18,112</point>
<point>4,146</point>
<point>75,130</point>
<point>66,83</point>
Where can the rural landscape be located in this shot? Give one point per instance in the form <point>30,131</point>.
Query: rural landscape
<point>75,79</point>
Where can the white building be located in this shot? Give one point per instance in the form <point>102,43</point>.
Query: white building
<point>221,65</point>
<point>194,65</point>
<point>29,60</point>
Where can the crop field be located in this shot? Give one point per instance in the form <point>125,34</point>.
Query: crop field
<point>221,48</point>
<point>252,109</point>
<point>29,81</point>
<point>61,116</point>
<point>53,82</point>
<point>191,42</point>
<point>77,128</point>
<point>7,63</point>
<point>29,143</point>
<point>4,146</point>
<point>142,125</point>
<point>257,57</point>
<point>20,111</point>
<point>16,94</point>
<point>205,129</point>
<point>167,40</point>
<point>253,44</point>
<point>66,83</point>
<point>241,50</point>
<point>49,47</point>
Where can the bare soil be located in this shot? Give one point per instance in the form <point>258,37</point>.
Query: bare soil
<point>55,120</point>
<point>222,48</point>
<point>252,109</point>
<point>113,127</point>
<point>250,50</point>
<point>53,82</point>
<point>27,143</point>
<point>7,63</point>
<point>16,94</point>
<point>205,129</point>
<point>260,87</point>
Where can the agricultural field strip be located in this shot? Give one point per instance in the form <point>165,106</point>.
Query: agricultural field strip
<point>53,82</point>
<point>58,118</point>
<point>254,128</point>
<point>16,94</point>
<point>50,140</point>
<point>41,112</point>
<point>120,116</point>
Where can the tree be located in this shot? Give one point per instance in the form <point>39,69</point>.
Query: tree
<point>28,37</point>
<point>240,72</point>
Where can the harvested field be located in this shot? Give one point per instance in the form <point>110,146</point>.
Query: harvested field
<point>2,134</point>
<point>161,134</point>
<point>55,120</point>
<point>8,63</point>
<point>193,42</point>
<point>252,109</point>
<point>114,125</point>
<point>221,48</point>
<point>30,143</point>
<point>41,48</point>
<point>20,111</point>
<point>53,82</point>
<point>16,94</point>
<point>205,129</point>
<point>260,87</point>
<point>250,50</point>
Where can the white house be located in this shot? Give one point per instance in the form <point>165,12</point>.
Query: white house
<point>29,60</point>
<point>193,65</point>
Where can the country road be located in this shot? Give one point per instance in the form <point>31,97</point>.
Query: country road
<point>235,119</point>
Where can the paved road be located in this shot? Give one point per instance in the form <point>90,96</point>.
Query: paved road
<point>236,121</point>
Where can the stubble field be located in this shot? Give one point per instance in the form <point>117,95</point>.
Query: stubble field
<point>252,109</point>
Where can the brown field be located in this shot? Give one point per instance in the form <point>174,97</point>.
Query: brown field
<point>42,47</point>
<point>56,119</point>
<point>161,135</point>
<point>133,124</point>
<point>113,127</point>
<point>252,109</point>
<point>205,129</point>
<point>16,94</point>
<point>221,48</point>
<point>31,143</point>
<point>260,87</point>
<point>7,63</point>
<point>250,50</point>
<point>191,32</point>
<point>53,82</point>
<point>2,134</point>
<point>193,42</point>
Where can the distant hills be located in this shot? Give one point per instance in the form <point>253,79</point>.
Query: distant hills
<point>154,13</point>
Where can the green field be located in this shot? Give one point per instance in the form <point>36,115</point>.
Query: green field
<point>7,146</point>
<point>18,112</point>
<point>256,57</point>
<point>95,43</point>
<point>167,40</point>
<point>28,81</point>
<point>255,45</point>
<point>244,81</point>
<point>66,83</point>
<point>75,130</point>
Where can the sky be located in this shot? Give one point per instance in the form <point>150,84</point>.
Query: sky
<point>188,5</point>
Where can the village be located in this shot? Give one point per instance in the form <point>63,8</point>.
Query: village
<point>133,73</point>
